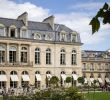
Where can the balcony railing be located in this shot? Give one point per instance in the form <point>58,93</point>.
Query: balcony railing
<point>95,59</point>
<point>16,64</point>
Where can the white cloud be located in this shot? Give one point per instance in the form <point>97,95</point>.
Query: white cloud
<point>11,9</point>
<point>80,22</point>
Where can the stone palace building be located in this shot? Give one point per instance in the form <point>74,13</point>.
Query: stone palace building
<point>32,52</point>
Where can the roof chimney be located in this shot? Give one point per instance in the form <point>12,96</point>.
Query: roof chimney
<point>24,18</point>
<point>50,20</point>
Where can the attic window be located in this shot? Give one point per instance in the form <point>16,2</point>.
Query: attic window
<point>73,38</point>
<point>1,31</point>
<point>37,36</point>
<point>24,33</point>
<point>12,33</point>
<point>48,37</point>
<point>63,36</point>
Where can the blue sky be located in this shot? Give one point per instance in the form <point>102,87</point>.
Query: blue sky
<point>75,14</point>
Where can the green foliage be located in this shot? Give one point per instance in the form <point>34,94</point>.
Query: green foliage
<point>52,94</point>
<point>68,79</point>
<point>81,80</point>
<point>103,13</point>
<point>54,80</point>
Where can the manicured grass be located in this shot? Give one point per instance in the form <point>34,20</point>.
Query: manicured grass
<point>97,96</point>
<point>1,98</point>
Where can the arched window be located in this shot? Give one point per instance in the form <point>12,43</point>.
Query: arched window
<point>13,79</point>
<point>63,36</point>
<point>24,73</point>
<point>91,76</point>
<point>74,57</point>
<point>48,72</point>
<point>13,31</point>
<point>2,73</point>
<point>24,32</point>
<point>2,54</point>
<point>73,37</point>
<point>12,54</point>
<point>62,57</point>
<point>13,73</point>
<point>24,52</point>
<point>37,56</point>
<point>37,72</point>
<point>37,79</point>
<point>48,56</point>
<point>3,79</point>
<point>63,72</point>
<point>25,79</point>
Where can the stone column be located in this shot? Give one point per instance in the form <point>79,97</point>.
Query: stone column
<point>19,77</point>
<point>8,81</point>
<point>7,53</point>
<point>18,53</point>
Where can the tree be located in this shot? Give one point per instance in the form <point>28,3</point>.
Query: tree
<point>81,80</point>
<point>104,14</point>
<point>54,80</point>
<point>68,80</point>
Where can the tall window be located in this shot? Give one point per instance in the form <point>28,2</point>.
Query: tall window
<point>37,56</point>
<point>24,55</point>
<point>62,57</point>
<point>74,58</point>
<point>92,66</point>
<point>2,83</point>
<point>2,31</point>
<point>63,37</point>
<point>24,33</point>
<point>25,83</point>
<point>37,79</point>
<point>12,32</point>
<point>48,56</point>
<point>73,38</point>
<point>2,54</point>
<point>13,84</point>
<point>12,54</point>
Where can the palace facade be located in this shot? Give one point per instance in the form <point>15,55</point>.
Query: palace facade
<point>96,66</point>
<point>32,52</point>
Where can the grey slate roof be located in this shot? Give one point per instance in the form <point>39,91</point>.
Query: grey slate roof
<point>60,27</point>
<point>8,22</point>
<point>34,25</point>
<point>39,26</point>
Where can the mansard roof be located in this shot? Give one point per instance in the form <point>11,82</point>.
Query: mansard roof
<point>34,25</point>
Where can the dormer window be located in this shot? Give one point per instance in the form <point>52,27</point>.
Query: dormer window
<point>12,33</point>
<point>63,36</point>
<point>37,36</point>
<point>73,38</point>
<point>24,33</point>
<point>48,37</point>
<point>2,30</point>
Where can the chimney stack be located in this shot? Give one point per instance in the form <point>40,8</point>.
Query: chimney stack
<point>50,20</point>
<point>24,18</point>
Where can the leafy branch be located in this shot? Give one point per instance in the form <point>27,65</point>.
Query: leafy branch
<point>103,13</point>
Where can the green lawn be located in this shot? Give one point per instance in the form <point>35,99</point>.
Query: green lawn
<point>1,98</point>
<point>94,96</point>
<point>98,96</point>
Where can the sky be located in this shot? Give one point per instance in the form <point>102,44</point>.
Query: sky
<point>76,14</point>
